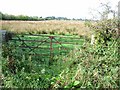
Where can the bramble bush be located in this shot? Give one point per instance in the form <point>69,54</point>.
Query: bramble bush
<point>94,66</point>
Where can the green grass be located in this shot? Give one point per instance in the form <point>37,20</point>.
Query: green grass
<point>36,71</point>
<point>83,66</point>
<point>60,44</point>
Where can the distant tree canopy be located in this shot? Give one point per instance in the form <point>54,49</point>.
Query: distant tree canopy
<point>19,17</point>
<point>33,18</point>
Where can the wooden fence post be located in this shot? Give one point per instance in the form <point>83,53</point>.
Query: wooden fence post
<point>2,38</point>
<point>51,48</point>
<point>0,44</point>
<point>11,65</point>
<point>93,39</point>
<point>0,59</point>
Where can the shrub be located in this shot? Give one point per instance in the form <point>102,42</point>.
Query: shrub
<point>87,68</point>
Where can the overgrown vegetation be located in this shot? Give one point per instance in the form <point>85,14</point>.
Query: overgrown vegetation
<point>85,67</point>
<point>95,66</point>
<point>90,66</point>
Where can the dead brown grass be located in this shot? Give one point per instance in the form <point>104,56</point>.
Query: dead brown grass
<point>50,27</point>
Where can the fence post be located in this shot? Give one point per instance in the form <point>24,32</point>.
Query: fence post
<point>92,39</point>
<point>51,48</point>
<point>0,45</point>
<point>0,59</point>
<point>2,39</point>
<point>11,64</point>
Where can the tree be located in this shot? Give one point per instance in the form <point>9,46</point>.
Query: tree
<point>105,29</point>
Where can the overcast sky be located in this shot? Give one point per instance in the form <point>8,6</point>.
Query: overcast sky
<point>44,8</point>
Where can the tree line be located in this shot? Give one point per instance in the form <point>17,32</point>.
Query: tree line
<point>20,17</point>
<point>33,18</point>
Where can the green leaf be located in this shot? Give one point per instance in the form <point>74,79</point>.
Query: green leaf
<point>76,83</point>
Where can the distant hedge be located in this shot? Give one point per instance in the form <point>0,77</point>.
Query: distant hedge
<point>33,18</point>
<point>19,17</point>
